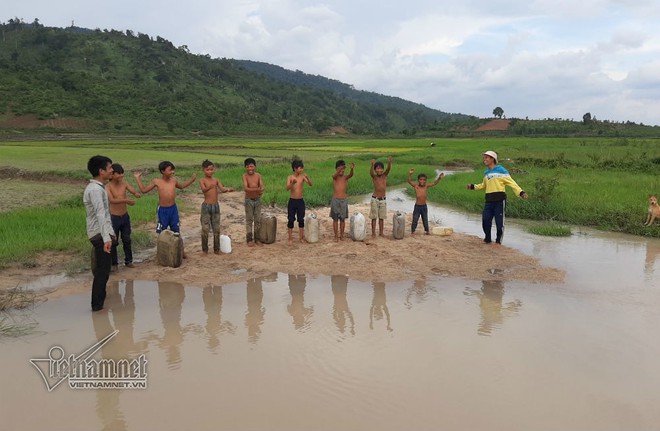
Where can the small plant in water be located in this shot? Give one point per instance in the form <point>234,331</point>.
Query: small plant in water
<point>550,229</point>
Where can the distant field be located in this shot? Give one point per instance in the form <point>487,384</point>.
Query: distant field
<point>17,194</point>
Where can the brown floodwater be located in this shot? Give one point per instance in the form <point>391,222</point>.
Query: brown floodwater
<point>300,352</point>
<point>296,352</point>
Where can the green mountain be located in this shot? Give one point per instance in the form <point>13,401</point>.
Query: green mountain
<point>123,82</point>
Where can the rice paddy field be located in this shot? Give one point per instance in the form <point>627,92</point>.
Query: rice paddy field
<point>603,183</point>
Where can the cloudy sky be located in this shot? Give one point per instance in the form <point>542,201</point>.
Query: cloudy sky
<point>534,58</point>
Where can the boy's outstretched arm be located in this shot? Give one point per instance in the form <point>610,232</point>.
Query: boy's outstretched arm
<point>437,180</point>
<point>410,172</point>
<point>143,189</point>
<point>371,171</point>
<point>222,188</point>
<point>389,166</point>
<point>187,183</point>
<point>350,174</point>
<point>132,191</point>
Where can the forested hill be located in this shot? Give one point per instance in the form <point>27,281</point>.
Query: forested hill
<point>369,98</point>
<point>126,82</point>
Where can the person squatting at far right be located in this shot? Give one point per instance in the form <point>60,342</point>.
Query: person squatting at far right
<point>296,205</point>
<point>210,209</point>
<point>496,178</point>
<point>121,221</point>
<point>339,203</point>
<point>99,226</point>
<point>378,209</point>
<point>253,186</point>
<point>421,209</point>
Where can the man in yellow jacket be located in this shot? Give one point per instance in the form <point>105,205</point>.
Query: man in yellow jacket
<point>496,178</point>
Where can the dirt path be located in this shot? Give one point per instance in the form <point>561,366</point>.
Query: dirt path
<point>380,259</point>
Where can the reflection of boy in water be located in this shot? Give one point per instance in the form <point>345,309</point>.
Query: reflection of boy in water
<point>212,297</point>
<point>297,309</point>
<point>254,317</point>
<point>340,310</point>
<point>493,312</point>
<point>379,305</point>
<point>170,298</point>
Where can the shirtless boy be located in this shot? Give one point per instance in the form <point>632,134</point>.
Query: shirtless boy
<point>210,211</point>
<point>296,206</point>
<point>253,186</point>
<point>339,203</point>
<point>421,209</point>
<point>121,222</point>
<point>378,208</point>
<point>167,212</point>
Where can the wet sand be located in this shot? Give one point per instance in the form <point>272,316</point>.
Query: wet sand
<point>379,259</point>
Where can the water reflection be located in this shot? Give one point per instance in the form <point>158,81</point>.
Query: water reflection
<point>301,315</point>
<point>254,316</point>
<point>212,297</point>
<point>170,298</point>
<point>493,311</point>
<point>340,311</point>
<point>379,310</point>
<point>419,290</point>
<point>108,408</point>
<point>652,255</point>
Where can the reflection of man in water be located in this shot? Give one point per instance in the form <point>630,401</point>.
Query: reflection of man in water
<point>379,306</point>
<point>170,298</point>
<point>212,297</point>
<point>254,317</point>
<point>123,315</point>
<point>340,310</point>
<point>301,314</point>
<point>107,400</point>
<point>493,312</point>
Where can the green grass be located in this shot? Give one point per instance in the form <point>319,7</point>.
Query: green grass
<point>583,181</point>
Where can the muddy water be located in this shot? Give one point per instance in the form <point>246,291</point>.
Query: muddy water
<point>297,352</point>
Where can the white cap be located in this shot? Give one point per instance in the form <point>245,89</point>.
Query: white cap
<point>493,154</point>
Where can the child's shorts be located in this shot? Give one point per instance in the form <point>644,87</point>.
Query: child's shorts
<point>339,209</point>
<point>167,217</point>
<point>378,208</point>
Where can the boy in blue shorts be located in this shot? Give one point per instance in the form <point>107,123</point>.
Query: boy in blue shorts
<point>167,212</point>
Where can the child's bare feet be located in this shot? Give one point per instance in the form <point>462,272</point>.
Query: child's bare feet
<point>259,243</point>
<point>250,244</point>
<point>216,251</point>
<point>336,239</point>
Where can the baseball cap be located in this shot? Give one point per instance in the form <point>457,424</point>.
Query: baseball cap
<point>493,154</point>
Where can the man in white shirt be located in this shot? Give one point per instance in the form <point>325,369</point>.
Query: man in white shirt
<point>99,226</point>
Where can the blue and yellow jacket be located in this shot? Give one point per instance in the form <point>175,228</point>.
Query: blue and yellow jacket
<point>495,181</point>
